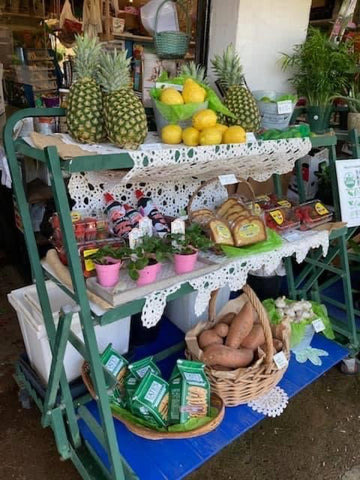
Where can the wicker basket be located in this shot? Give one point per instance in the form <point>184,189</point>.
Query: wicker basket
<point>172,44</point>
<point>222,193</point>
<point>150,434</point>
<point>242,385</point>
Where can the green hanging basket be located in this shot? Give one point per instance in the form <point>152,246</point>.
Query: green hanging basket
<point>172,44</point>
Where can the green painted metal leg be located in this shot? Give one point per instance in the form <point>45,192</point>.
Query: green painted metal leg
<point>348,294</point>
<point>38,274</point>
<point>277,184</point>
<point>61,340</point>
<point>334,184</point>
<point>290,278</point>
<point>299,181</point>
<point>63,209</point>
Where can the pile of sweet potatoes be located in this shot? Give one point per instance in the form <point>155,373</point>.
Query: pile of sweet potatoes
<point>234,341</point>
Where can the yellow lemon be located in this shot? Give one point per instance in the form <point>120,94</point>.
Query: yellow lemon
<point>171,134</point>
<point>234,134</point>
<point>190,136</point>
<point>222,128</point>
<point>210,136</point>
<point>192,92</point>
<point>204,119</point>
<point>170,96</point>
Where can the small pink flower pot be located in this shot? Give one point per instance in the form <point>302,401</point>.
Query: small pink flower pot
<point>148,274</point>
<point>185,263</point>
<point>108,275</point>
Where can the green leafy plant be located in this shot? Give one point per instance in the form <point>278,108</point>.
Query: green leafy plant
<point>104,255</point>
<point>321,69</point>
<point>151,250</point>
<point>194,239</point>
<point>353,97</point>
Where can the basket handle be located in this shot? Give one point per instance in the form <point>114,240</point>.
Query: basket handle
<point>209,182</point>
<point>179,2</point>
<point>212,307</point>
<point>264,320</point>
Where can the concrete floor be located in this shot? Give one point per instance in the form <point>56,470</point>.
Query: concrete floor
<point>316,438</point>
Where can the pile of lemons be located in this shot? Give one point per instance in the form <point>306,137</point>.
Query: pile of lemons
<point>204,131</point>
<point>192,92</point>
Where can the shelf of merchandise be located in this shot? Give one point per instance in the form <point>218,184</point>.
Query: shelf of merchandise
<point>319,274</point>
<point>79,440</point>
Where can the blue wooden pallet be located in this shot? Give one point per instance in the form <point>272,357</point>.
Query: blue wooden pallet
<point>174,459</point>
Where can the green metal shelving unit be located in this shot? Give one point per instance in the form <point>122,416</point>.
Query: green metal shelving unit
<point>310,282</point>
<point>61,415</point>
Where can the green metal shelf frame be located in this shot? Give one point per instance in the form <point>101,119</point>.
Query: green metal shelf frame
<point>61,416</point>
<point>307,284</point>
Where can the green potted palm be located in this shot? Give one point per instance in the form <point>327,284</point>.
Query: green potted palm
<point>145,260</point>
<point>320,71</point>
<point>185,248</point>
<point>108,261</point>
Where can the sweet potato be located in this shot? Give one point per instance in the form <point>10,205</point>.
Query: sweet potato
<point>221,329</point>
<point>255,338</point>
<point>227,318</point>
<point>278,344</point>
<point>241,326</point>
<point>209,337</point>
<point>227,356</point>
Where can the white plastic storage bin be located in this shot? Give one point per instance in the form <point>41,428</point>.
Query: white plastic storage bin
<point>26,303</point>
<point>181,311</point>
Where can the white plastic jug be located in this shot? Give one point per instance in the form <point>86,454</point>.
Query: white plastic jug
<point>167,19</point>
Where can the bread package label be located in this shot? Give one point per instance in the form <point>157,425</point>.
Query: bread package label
<point>220,232</point>
<point>248,231</point>
<point>189,392</point>
<point>151,400</point>
<point>115,364</point>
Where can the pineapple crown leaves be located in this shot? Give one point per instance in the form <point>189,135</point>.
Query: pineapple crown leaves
<point>196,72</point>
<point>87,54</point>
<point>114,70</point>
<point>228,68</point>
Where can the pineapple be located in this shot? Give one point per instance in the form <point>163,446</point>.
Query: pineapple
<point>238,98</point>
<point>196,72</point>
<point>85,106</point>
<point>125,118</point>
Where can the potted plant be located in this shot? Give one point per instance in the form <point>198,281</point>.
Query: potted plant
<point>185,248</point>
<point>353,102</point>
<point>321,71</point>
<point>145,260</point>
<point>108,261</point>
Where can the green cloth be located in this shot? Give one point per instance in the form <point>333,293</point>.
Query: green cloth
<point>273,241</point>
<point>177,113</point>
<point>191,424</point>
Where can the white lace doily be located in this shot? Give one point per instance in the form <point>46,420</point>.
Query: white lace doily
<point>232,272</point>
<point>272,404</point>
<point>257,160</point>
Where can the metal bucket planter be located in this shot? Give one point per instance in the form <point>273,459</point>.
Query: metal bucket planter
<point>269,111</point>
<point>319,118</point>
